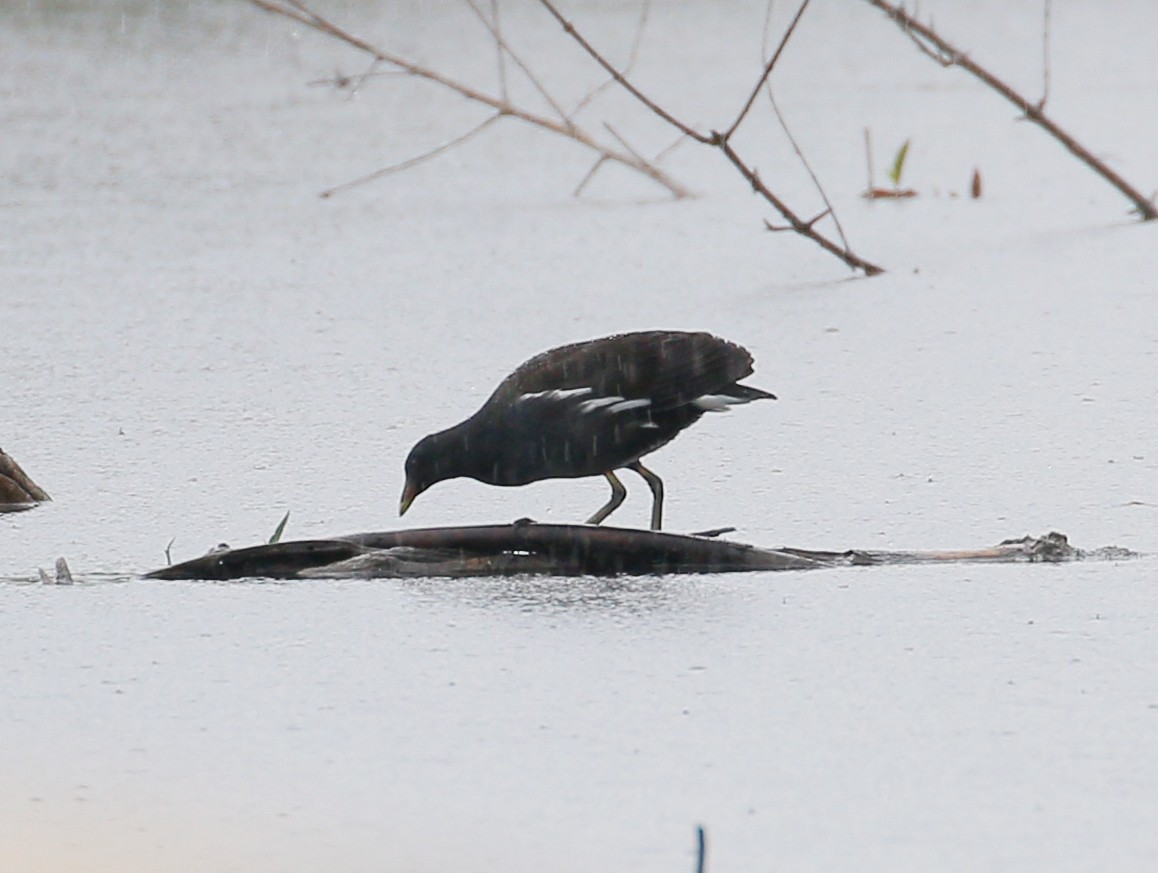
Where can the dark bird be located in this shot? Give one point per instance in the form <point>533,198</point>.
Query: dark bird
<point>588,409</point>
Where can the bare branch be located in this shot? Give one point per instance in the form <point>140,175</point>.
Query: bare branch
<point>949,55</point>
<point>589,176</point>
<point>615,74</point>
<point>804,228</point>
<point>412,162</point>
<point>767,70</point>
<point>668,149</point>
<point>720,140</point>
<point>792,139</point>
<point>1045,67</point>
<point>341,81</point>
<point>611,130</point>
<point>298,11</point>
<point>496,28</point>
<point>645,11</point>
<point>505,50</point>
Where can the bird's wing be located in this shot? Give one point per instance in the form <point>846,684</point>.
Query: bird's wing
<point>667,368</point>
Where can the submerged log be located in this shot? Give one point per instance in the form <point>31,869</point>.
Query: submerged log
<point>567,550</point>
<point>17,491</point>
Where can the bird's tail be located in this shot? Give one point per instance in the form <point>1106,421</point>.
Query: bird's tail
<point>733,395</point>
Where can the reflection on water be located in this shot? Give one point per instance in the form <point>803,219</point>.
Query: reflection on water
<point>635,595</point>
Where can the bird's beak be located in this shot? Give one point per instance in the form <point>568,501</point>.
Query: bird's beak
<point>408,495</point>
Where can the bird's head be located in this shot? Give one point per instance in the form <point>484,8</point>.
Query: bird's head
<point>422,471</point>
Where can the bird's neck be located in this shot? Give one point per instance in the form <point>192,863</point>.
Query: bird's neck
<point>469,450</point>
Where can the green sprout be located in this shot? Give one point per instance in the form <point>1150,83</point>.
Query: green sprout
<point>898,168</point>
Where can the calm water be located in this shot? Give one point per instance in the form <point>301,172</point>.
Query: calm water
<point>195,343</point>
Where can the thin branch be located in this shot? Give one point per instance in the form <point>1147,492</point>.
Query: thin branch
<point>626,145</point>
<point>599,163</point>
<point>615,74</point>
<point>668,149</point>
<point>297,11</point>
<point>799,225</point>
<point>949,55</point>
<point>505,50</point>
<point>792,139</point>
<point>412,162</point>
<point>645,12</point>
<point>767,70</point>
<point>342,80</point>
<point>720,140</point>
<point>1045,65</point>
<point>588,176</point>
<point>495,26</point>
<point>777,228</point>
<point>829,209</point>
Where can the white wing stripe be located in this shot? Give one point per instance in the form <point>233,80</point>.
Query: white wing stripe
<point>625,405</point>
<point>614,404</point>
<point>555,394</point>
<point>598,403</point>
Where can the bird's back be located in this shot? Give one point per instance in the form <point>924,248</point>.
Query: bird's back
<point>666,367</point>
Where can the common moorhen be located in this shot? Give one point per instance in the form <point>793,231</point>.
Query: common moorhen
<point>588,409</point>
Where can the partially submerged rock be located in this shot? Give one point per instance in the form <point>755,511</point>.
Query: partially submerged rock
<point>567,550</point>
<point>17,491</point>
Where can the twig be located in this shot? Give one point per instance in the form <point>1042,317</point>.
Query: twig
<point>767,69</point>
<point>496,27</point>
<point>342,80</point>
<point>721,140</point>
<point>1045,66</point>
<point>300,12</point>
<point>615,74</point>
<point>800,226</point>
<point>412,162</point>
<point>668,149</point>
<point>645,11</point>
<point>505,50</point>
<point>701,849</point>
<point>588,176</point>
<point>590,96</point>
<point>626,145</point>
<point>792,139</point>
<point>950,56</point>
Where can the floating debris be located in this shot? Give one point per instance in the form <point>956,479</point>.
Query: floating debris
<point>573,550</point>
<point>17,491</point>
<point>63,574</point>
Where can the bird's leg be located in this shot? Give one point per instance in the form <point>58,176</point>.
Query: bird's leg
<point>618,494</point>
<point>656,486</point>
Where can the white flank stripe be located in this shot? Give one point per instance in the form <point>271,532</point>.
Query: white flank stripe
<point>716,402</point>
<point>614,404</point>
<point>598,403</point>
<point>630,404</point>
<point>556,394</point>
